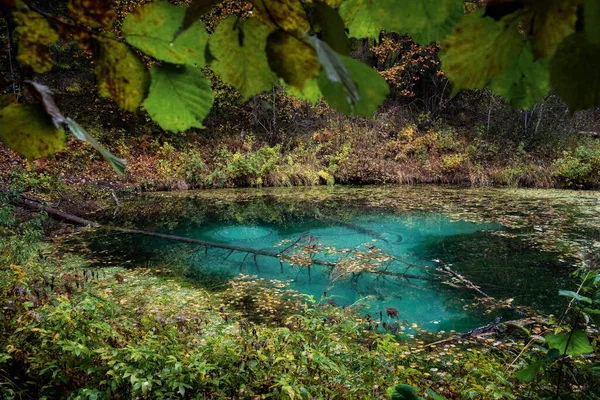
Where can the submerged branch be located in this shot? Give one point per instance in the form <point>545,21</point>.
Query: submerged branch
<point>66,217</point>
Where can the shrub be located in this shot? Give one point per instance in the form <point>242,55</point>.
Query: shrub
<point>580,168</point>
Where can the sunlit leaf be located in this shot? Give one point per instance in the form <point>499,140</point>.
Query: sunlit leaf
<point>152,28</point>
<point>528,374</point>
<point>526,82</point>
<point>120,73</point>
<point>196,10</point>
<point>29,131</point>
<point>332,27</point>
<point>358,19</point>
<point>46,97</point>
<point>240,57</point>
<point>372,89</point>
<point>575,72</point>
<point>288,15</point>
<point>35,33</point>
<point>94,13</point>
<point>425,21</point>
<point>118,164</point>
<point>310,92</point>
<point>573,344</point>
<point>180,97</point>
<point>292,59</point>
<point>478,50</point>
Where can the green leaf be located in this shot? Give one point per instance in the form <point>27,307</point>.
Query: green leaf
<point>404,392</point>
<point>121,75</point>
<point>479,50</point>
<point>29,131</point>
<point>152,29</point>
<point>574,295</point>
<point>525,83</point>
<point>578,343</point>
<point>528,374</point>
<point>434,395</point>
<point>94,13</point>
<point>372,89</point>
<point>332,27</point>
<point>592,19</point>
<point>292,59</point>
<point>196,10</point>
<point>549,24</point>
<point>591,311</point>
<point>118,164</point>
<point>425,21</point>
<point>358,19</point>
<point>575,72</point>
<point>180,97</point>
<point>288,15</point>
<point>310,92</point>
<point>240,57</point>
<point>335,69</point>
<point>35,33</point>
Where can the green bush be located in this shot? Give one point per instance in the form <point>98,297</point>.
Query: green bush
<point>580,168</point>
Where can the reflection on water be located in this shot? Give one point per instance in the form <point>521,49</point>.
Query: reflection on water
<point>491,256</point>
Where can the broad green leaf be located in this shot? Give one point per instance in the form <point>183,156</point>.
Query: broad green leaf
<point>332,27</point>
<point>35,33</point>
<point>591,311</point>
<point>29,131</point>
<point>372,89</point>
<point>528,374</point>
<point>574,295</point>
<point>288,15</point>
<point>434,395</point>
<point>478,50</point>
<point>425,21</point>
<point>575,72</point>
<point>120,73</point>
<point>549,23</point>
<point>404,392</point>
<point>196,10</point>
<point>94,13</point>
<point>240,57</point>
<point>180,97</point>
<point>292,59</point>
<point>310,92</point>
<point>152,28</point>
<point>335,69</point>
<point>358,19</point>
<point>592,19</point>
<point>578,343</point>
<point>525,83</point>
<point>46,97</point>
<point>118,164</point>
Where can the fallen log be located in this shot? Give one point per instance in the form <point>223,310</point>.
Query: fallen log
<point>69,218</point>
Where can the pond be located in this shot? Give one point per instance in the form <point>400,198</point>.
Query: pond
<point>519,246</point>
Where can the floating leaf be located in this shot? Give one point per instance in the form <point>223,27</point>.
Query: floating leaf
<point>118,164</point>
<point>358,19</point>
<point>575,72</point>
<point>577,344</point>
<point>528,374</point>
<point>425,21</point>
<point>372,89</point>
<point>180,97</point>
<point>574,295</point>
<point>94,13</point>
<point>29,131</point>
<point>240,58</point>
<point>46,97</point>
<point>288,15</point>
<point>292,59</point>
<point>550,22</point>
<point>152,28</point>
<point>35,33</point>
<point>479,50</point>
<point>525,83</point>
<point>196,10</point>
<point>121,75</point>
<point>332,27</point>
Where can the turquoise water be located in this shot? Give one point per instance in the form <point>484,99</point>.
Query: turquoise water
<point>513,244</point>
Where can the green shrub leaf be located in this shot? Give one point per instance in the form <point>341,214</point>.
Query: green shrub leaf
<point>180,97</point>
<point>358,19</point>
<point>528,374</point>
<point>578,343</point>
<point>152,28</point>
<point>574,295</point>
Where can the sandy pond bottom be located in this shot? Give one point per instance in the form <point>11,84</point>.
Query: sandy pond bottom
<point>513,244</point>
